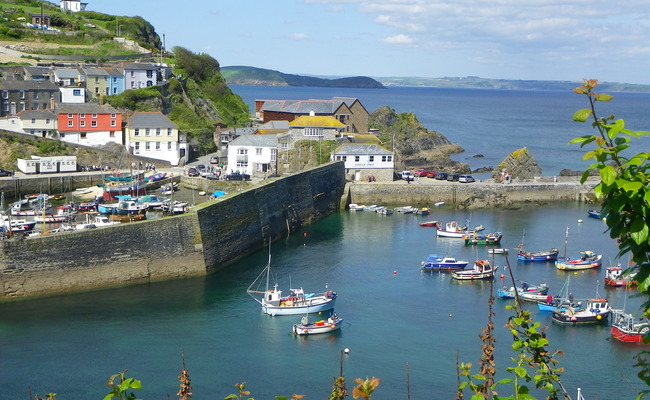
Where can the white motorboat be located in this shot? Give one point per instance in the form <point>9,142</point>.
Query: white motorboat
<point>305,327</point>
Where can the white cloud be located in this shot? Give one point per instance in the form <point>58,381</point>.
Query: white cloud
<point>298,36</point>
<point>398,39</point>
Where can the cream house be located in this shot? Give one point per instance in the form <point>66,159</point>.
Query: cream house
<point>366,160</point>
<point>153,135</point>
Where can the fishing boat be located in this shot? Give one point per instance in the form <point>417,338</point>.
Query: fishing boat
<point>535,256</point>
<point>297,302</point>
<point>614,276</point>
<point>482,270</point>
<point>498,250</point>
<point>563,299</point>
<point>127,217</point>
<point>405,209</point>
<point>587,260</point>
<point>594,214</point>
<point>305,327</point>
<point>434,224</point>
<point>526,292</point>
<point>473,238</point>
<point>423,211</point>
<point>385,211</point>
<point>596,311</point>
<point>434,262</point>
<point>628,329</point>
<point>452,230</point>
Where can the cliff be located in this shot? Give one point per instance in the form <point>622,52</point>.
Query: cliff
<point>519,164</point>
<point>252,76</point>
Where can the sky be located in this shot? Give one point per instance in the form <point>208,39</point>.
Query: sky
<point>567,40</point>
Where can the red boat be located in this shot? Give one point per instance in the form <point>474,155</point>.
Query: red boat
<point>627,329</point>
<point>614,277</point>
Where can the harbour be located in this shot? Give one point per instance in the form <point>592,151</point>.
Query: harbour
<point>373,262</point>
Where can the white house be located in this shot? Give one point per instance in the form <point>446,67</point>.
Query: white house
<point>153,135</point>
<point>72,5</point>
<point>253,154</point>
<point>39,123</point>
<point>139,75</point>
<point>36,164</point>
<point>366,160</point>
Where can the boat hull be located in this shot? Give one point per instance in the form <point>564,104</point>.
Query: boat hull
<point>315,328</point>
<point>626,337</point>
<point>308,306</point>
<point>538,256</point>
<point>578,264</point>
<point>565,319</point>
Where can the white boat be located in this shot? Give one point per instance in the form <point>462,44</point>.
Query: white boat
<point>370,208</point>
<point>452,230</point>
<point>356,207</point>
<point>497,250</point>
<point>305,327</point>
<point>482,270</point>
<point>596,311</point>
<point>297,302</point>
<point>405,210</point>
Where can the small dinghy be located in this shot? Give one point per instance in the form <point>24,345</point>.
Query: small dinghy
<point>305,327</point>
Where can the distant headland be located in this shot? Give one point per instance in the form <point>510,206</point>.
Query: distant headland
<point>252,76</point>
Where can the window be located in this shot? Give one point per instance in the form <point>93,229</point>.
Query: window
<point>111,134</point>
<point>149,74</point>
<point>113,123</point>
<point>76,92</point>
<point>93,124</point>
<point>274,154</point>
<point>5,94</point>
<point>35,95</point>
<point>157,146</point>
<point>137,145</point>
<point>147,146</point>
<point>69,115</point>
<point>22,94</point>
<point>371,158</point>
<point>96,79</point>
<point>345,158</point>
<point>149,84</point>
<point>94,115</point>
<point>114,90</point>
<point>33,121</point>
<point>132,74</point>
<point>258,151</point>
<point>157,131</point>
<point>113,115</point>
<point>114,79</point>
<point>169,146</point>
<point>356,158</point>
<point>5,107</point>
<point>70,124</point>
<point>147,132</point>
<point>47,121</point>
<point>132,84</point>
<point>96,89</point>
<point>82,135</point>
<point>386,158</point>
<point>82,115</point>
<point>136,132</point>
<point>22,106</point>
<point>82,124</point>
<point>284,145</point>
<point>242,164</point>
<point>313,132</point>
<point>169,131</point>
<point>242,152</point>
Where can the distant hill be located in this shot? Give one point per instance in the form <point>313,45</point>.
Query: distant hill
<point>474,82</point>
<point>252,76</point>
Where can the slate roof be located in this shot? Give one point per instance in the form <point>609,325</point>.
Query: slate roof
<point>306,106</point>
<point>28,85</point>
<point>138,66</point>
<point>85,108</point>
<point>150,120</point>
<point>95,72</point>
<point>67,73</point>
<point>323,121</point>
<point>238,131</point>
<point>362,149</point>
<point>256,140</point>
<point>38,114</point>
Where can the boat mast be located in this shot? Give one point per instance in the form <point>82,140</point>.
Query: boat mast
<point>566,241</point>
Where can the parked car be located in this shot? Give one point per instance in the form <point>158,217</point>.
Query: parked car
<point>407,176</point>
<point>236,176</point>
<point>441,176</point>
<point>4,172</point>
<point>421,172</point>
<point>431,174</point>
<point>465,179</point>
<point>453,177</point>
<point>214,160</point>
<point>193,172</point>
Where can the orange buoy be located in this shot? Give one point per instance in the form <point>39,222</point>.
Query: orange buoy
<point>395,272</point>
<point>502,276</point>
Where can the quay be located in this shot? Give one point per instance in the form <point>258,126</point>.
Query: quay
<point>220,231</point>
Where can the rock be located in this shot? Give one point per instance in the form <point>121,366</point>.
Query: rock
<point>478,156</point>
<point>484,201</point>
<point>519,165</point>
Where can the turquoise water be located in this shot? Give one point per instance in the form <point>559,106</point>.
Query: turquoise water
<point>394,314</point>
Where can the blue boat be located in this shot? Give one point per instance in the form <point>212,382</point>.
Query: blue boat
<point>435,262</point>
<point>538,256</point>
<point>594,214</point>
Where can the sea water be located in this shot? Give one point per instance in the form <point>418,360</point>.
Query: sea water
<point>401,324</point>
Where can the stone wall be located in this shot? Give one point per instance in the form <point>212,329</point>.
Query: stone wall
<point>215,234</point>
<point>401,193</point>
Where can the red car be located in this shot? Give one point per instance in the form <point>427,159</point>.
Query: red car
<point>421,172</point>
<point>431,174</point>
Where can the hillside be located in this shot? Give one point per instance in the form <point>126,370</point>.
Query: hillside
<point>252,76</point>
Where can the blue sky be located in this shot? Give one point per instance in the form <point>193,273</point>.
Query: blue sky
<point>508,39</point>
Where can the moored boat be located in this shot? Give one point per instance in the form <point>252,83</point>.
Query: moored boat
<point>628,329</point>
<point>423,211</point>
<point>596,311</point>
<point>452,230</point>
<point>474,238</point>
<point>498,250</point>
<point>587,260</point>
<point>482,270</point>
<point>526,292</point>
<point>297,302</point>
<point>594,214</point>
<point>614,276</point>
<point>435,262</point>
<point>124,187</point>
<point>434,224</point>
<point>537,256</point>
<point>355,207</point>
<point>332,324</point>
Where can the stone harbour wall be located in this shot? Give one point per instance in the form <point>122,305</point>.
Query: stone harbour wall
<point>215,234</point>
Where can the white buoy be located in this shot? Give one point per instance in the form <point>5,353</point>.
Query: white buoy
<point>579,221</point>
<point>346,351</point>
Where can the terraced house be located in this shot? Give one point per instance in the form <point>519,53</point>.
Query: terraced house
<point>17,96</point>
<point>90,124</point>
<point>153,135</point>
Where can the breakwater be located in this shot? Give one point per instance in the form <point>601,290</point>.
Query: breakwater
<point>482,194</point>
<point>215,234</point>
